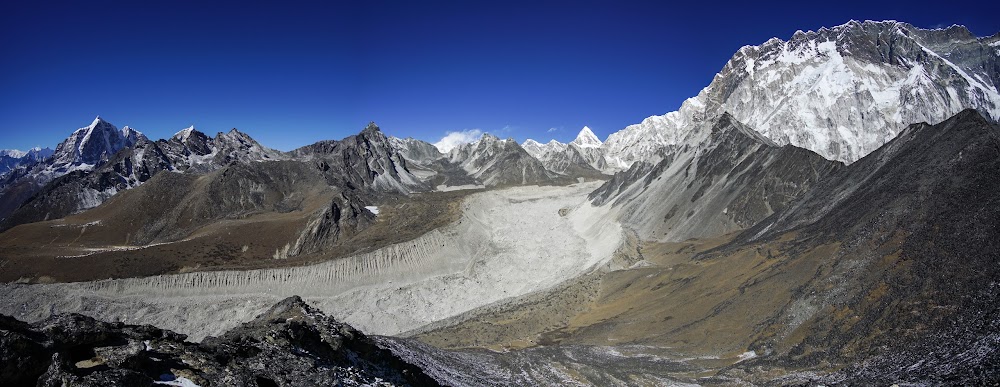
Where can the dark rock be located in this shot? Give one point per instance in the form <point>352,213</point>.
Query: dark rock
<point>292,344</point>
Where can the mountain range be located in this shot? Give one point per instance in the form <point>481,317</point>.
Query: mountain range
<point>823,212</point>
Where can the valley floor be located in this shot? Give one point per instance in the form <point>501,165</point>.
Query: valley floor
<point>507,243</point>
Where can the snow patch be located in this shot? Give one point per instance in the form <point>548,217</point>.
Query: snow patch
<point>179,381</point>
<point>372,209</point>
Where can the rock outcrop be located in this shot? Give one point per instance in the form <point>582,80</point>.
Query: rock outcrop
<point>292,344</point>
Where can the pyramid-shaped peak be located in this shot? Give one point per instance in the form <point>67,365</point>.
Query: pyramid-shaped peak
<point>98,121</point>
<point>183,134</point>
<point>587,139</point>
<point>371,127</point>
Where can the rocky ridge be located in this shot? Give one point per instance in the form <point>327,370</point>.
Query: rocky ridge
<point>731,180</point>
<point>291,344</point>
<point>840,92</point>
<point>496,162</point>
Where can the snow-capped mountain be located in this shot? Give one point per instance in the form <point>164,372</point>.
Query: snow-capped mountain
<point>730,179</point>
<point>92,145</point>
<point>841,92</point>
<point>98,161</point>
<point>496,162</point>
<point>87,148</point>
<point>365,162</point>
<point>587,139</point>
<point>38,154</point>
<point>581,157</point>
<point>12,153</point>
<point>12,158</point>
<point>539,150</point>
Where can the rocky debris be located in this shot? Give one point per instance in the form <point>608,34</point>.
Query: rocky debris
<point>292,344</point>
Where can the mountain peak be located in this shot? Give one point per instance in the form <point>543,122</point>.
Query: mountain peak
<point>14,153</point>
<point>587,139</point>
<point>184,133</point>
<point>371,127</point>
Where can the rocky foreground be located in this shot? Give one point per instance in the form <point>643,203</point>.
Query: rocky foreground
<point>290,344</point>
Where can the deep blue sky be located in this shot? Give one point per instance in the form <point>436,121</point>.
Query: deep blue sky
<point>293,73</point>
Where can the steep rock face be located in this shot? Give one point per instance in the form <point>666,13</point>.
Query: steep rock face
<point>92,145</point>
<point>496,162</point>
<point>80,190</point>
<point>840,92</point>
<point>189,148</point>
<point>905,286</point>
<point>898,176</point>
<point>236,146</point>
<point>416,151</point>
<point>367,160</point>
<point>292,344</point>
<point>84,188</point>
<point>174,205</point>
<point>87,148</point>
<point>731,180</point>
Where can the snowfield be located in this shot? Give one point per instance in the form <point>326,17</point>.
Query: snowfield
<point>507,243</point>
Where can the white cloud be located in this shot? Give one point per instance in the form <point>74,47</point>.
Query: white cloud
<point>552,130</point>
<point>454,139</point>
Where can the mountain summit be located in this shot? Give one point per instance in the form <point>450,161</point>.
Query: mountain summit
<point>93,145</point>
<point>841,92</point>
<point>587,139</point>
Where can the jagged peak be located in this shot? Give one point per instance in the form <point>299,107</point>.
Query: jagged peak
<point>183,134</point>
<point>233,134</point>
<point>532,142</point>
<point>489,137</point>
<point>98,122</point>
<point>371,127</point>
